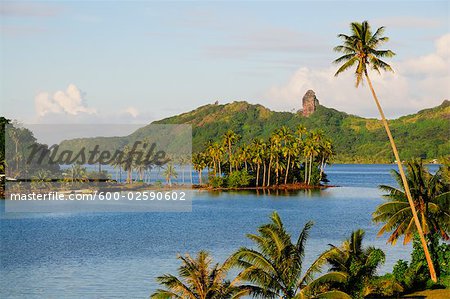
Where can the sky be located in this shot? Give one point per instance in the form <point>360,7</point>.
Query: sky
<point>140,61</point>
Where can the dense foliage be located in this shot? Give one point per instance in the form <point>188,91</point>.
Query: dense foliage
<point>355,139</point>
<point>274,268</point>
<point>285,157</point>
<point>415,275</point>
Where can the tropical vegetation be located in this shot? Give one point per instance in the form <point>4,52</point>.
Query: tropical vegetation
<point>431,194</point>
<point>273,268</point>
<point>198,278</point>
<point>361,48</point>
<point>287,156</point>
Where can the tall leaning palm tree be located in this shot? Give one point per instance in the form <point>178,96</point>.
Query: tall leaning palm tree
<point>361,48</point>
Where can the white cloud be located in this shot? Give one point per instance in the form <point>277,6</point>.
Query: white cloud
<point>69,102</point>
<point>132,111</point>
<point>69,106</point>
<point>417,83</point>
<point>437,62</point>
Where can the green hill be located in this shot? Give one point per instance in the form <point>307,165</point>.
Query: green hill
<point>355,139</point>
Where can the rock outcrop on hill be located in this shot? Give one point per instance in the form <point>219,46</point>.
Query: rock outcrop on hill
<point>310,103</point>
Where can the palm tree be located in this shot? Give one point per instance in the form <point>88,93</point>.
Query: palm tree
<point>361,49</point>
<point>199,279</point>
<point>287,139</point>
<point>127,163</point>
<point>274,269</point>
<point>326,152</point>
<point>199,162</point>
<point>229,139</point>
<point>431,199</point>
<point>244,156</point>
<point>170,173</point>
<point>311,149</point>
<point>276,142</point>
<point>41,180</point>
<point>215,151</point>
<point>359,264</point>
<point>257,156</point>
<point>78,173</point>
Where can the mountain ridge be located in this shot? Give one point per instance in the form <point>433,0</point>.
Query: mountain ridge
<point>356,139</point>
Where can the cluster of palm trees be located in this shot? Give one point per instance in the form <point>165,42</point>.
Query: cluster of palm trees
<point>287,156</point>
<point>274,269</point>
<point>138,169</point>
<point>431,193</point>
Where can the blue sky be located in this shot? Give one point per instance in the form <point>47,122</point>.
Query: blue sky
<point>138,61</point>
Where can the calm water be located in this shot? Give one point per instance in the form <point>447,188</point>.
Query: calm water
<point>119,255</point>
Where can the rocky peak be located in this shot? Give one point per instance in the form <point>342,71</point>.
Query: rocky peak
<point>310,103</point>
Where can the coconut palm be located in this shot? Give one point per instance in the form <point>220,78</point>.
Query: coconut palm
<point>41,180</point>
<point>170,173</point>
<point>326,153</point>
<point>431,199</point>
<point>199,163</point>
<point>78,173</point>
<point>287,149</point>
<point>257,155</point>
<point>229,139</point>
<point>361,48</point>
<point>127,162</point>
<point>359,264</point>
<point>274,269</point>
<point>215,151</point>
<point>244,156</point>
<point>198,279</point>
<point>310,150</point>
<point>276,141</point>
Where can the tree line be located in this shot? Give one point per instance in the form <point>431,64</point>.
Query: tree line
<point>287,156</point>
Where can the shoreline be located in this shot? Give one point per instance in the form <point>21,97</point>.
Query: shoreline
<point>143,187</point>
<point>287,187</point>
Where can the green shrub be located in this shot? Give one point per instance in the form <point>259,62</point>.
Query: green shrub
<point>416,276</point>
<point>216,181</point>
<point>239,179</point>
<point>399,271</point>
<point>386,285</point>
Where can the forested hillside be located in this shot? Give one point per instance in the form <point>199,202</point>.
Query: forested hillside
<point>355,139</point>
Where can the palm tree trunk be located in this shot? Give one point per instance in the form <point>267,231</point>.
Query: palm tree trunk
<point>287,169</point>
<point>268,172</point>
<point>264,174</point>
<point>229,153</point>
<point>405,182</point>
<point>310,169</point>
<point>306,169</point>
<point>257,176</point>
<point>277,166</point>
<point>321,168</point>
